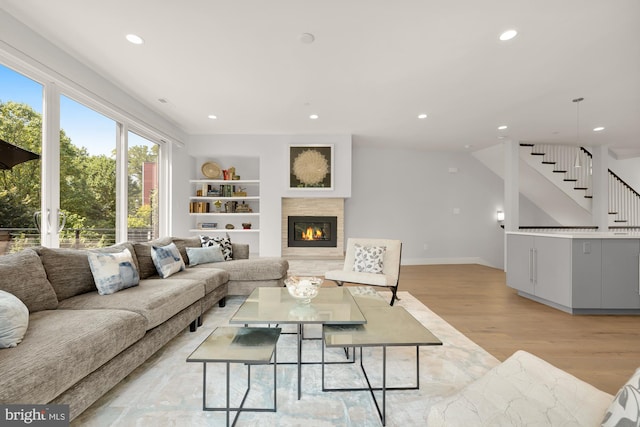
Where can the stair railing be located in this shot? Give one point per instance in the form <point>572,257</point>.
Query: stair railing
<point>624,201</point>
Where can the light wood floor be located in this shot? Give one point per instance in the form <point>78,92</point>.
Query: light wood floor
<point>601,350</point>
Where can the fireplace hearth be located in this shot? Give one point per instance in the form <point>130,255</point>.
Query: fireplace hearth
<point>312,231</point>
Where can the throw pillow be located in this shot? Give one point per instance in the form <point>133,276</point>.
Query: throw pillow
<point>223,242</point>
<point>369,259</point>
<point>167,260</point>
<point>625,408</point>
<point>204,255</point>
<point>113,272</point>
<point>14,319</point>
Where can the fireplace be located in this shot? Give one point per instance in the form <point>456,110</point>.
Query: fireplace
<point>312,231</point>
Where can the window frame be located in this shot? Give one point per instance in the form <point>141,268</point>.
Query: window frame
<point>54,86</point>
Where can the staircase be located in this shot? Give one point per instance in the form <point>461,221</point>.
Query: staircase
<point>624,201</point>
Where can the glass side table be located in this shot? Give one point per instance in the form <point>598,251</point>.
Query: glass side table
<point>249,346</point>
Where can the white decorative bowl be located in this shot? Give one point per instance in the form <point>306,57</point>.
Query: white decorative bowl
<point>303,289</point>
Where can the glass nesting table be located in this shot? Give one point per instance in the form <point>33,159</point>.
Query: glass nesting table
<point>267,305</point>
<point>248,346</point>
<point>386,326</point>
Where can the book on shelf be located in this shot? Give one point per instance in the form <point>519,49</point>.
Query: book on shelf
<point>199,207</point>
<point>208,225</point>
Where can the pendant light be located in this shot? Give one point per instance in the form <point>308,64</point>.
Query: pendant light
<point>578,162</point>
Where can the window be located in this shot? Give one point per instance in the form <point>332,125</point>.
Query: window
<point>87,176</point>
<point>143,198</point>
<point>21,126</point>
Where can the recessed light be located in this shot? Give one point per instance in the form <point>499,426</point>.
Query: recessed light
<point>598,129</point>
<point>313,116</point>
<point>135,39</point>
<point>422,116</point>
<point>508,35</point>
<point>212,116</point>
<point>503,127</point>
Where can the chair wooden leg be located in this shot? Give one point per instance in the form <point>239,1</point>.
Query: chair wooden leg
<point>339,283</point>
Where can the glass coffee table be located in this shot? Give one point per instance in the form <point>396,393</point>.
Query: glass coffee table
<point>386,327</point>
<point>332,306</point>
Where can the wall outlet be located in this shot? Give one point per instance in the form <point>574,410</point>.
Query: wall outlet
<point>426,247</point>
<point>456,211</point>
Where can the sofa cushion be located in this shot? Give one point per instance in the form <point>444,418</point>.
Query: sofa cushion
<point>157,300</point>
<point>60,348</point>
<point>14,320</point>
<point>625,408</point>
<point>23,275</point>
<point>211,277</point>
<point>252,269</point>
<point>113,272</point>
<point>68,269</point>
<point>523,387</point>
<point>146,267</point>
<point>183,243</point>
<point>167,260</point>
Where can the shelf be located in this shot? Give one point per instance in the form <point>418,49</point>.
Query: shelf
<point>223,214</point>
<point>224,198</point>
<point>221,230</point>
<point>224,181</point>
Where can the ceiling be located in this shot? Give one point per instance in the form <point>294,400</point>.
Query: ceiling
<point>374,66</point>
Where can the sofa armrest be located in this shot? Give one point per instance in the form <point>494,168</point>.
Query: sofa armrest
<point>240,250</point>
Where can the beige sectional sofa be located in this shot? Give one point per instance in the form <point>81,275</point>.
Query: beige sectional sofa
<point>80,344</point>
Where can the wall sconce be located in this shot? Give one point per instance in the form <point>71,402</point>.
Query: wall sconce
<point>500,216</point>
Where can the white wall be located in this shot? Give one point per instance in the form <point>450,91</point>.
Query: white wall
<point>411,195</point>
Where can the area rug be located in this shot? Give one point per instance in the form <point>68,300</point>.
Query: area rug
<point>167,391</point>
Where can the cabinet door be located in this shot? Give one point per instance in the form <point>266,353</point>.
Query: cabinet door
<point>520,262</point>
<point>620,273</point>
<point>587,273</point>
<point>552,278</point>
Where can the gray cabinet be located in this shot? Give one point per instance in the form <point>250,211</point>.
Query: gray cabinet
<point>586,270</point>
<point>575,273</point>
<point>620,281</point>
<point>539,266</point>
<point>520,262</point>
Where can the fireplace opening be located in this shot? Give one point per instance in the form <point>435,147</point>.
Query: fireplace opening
<point>312,231</point>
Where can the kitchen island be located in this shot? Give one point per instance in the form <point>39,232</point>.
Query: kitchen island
<point>579,273</point>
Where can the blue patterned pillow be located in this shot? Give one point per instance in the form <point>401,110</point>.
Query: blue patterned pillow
<point>223,242</point>
<point>369,259</point>
<point>167,259</point>
<point>625,408</point>
<point>113,272</point>
<point>204,255</point>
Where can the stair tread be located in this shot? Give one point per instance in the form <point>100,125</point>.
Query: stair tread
<point>559,171</point>
<point>570,180</point>
<point>548,163</point>
<point>580,188</point>
<point>538,154</point>
<point>525,144</point>
<point>620,220</point>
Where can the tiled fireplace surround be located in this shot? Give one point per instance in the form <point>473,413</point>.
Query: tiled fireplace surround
<point>313,207</point>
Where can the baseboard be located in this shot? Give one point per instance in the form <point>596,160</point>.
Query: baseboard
<point>434,261</point>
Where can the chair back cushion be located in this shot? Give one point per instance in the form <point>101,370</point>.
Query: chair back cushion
<point>392,253</point>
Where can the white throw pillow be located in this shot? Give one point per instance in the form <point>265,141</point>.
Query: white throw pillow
<point>14,320</point>
<point>204,255</point>
<point>113,272</point>
<point>369,259</point>
<point>167,260</point>
<point>223,242</point>
<point>625,408</point>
